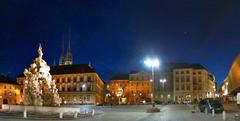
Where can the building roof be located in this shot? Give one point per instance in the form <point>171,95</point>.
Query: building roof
<point>186,65</point>
<point>120,77</point>
<point>4,79</point>
<point>69,69</point>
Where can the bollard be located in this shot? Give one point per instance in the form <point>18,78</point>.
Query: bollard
<point>213,112</point>
<point>75,114</point>
<point>25,113</point>
<point>61,115</point>
<point>93,112</point>
<point>206,111</point>
<point>224,115</point>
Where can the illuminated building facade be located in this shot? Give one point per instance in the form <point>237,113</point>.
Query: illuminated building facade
<point>9,92</point>
<point>192,82</point>
<point>77,84</point>
<point>231,85</point>
<point>133,88</point>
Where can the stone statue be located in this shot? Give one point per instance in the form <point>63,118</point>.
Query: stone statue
<point>39,88</point>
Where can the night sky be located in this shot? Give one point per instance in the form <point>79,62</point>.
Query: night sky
<point>116,36</point>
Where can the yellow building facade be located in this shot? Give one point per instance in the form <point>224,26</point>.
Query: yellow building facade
<point>231,84</point>
<point>191,83</point>
<point>76,84</point>
<point>10,93</point>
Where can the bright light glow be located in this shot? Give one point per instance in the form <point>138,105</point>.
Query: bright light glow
<point>152,62</point>
<point>162,80</point>
<point>83,86</point>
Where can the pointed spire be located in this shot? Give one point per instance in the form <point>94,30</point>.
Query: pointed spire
<point>89,64</point>
<point>69,40</point>
<point>62,43</point>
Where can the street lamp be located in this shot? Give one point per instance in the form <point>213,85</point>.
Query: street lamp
<point>163,81</point>
<point>152,63</point>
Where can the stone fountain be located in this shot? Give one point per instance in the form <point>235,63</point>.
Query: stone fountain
<point>40,93</point>
<point>39,88</point>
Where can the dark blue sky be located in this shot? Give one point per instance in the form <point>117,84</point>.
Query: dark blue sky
<point>115,36</point>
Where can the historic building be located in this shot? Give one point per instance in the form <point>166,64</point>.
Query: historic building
<point>9,92</point>
<point>231,84</point>
<point>133,88</point>
<point>192,82</point>
<point>77,84</point>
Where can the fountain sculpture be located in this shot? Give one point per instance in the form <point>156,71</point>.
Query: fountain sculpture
<point>39,87</point>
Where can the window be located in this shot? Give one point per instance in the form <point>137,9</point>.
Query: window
<point>194,80</point>
<point>177,88</point>
<point>89,88</point>
<point>81,79</point>
<point>182,79</point>
<point>89,78</point>
<point>75,79</point>
<point>200,87</point>
<point>57,81</point>
<point>74,89</point>
<point>188,79</point>
<point>69,80</point>
<point>88,97</point>
<point>177,79</point>
<point>199,79</point>
<point>194,88</point>
<point>182,87</point>
<point>188,87</point>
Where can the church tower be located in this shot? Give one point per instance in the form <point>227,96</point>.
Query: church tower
<point>68,57</point>
<point>62,57</point>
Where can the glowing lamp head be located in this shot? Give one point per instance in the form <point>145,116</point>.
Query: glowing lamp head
<point>152,62</point>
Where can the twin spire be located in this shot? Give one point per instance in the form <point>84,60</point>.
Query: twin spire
<point>66,58</point>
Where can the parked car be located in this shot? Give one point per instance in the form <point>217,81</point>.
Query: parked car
<point>209,104</point>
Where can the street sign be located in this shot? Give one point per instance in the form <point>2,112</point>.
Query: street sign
<point>238,98</point>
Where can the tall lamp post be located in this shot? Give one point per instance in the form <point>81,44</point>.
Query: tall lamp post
<point>163,81</point>
<point>152,63</point>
